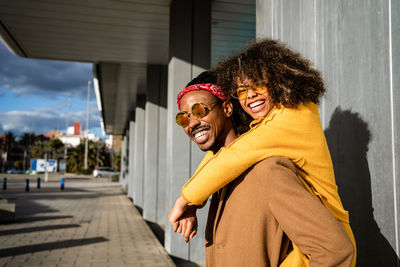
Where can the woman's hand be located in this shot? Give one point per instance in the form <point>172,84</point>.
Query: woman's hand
<point>187,224</point>
<point>177,211</point>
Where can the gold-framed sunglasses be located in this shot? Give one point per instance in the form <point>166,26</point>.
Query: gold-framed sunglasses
<point>241,91</point>
<point>199,110</point>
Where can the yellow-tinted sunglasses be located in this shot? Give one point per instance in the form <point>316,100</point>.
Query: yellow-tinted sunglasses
<point>199,110</point>
<point>241,91</point>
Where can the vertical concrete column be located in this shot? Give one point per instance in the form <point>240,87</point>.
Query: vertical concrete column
<point>130,180</point>
<point>189,54</point>
<point>151,143</point>
<point>395,89</point>
<point>298,32</point>
<point>138,165</point>
<point>201,57</point>
<point>122,176</point>
<point>163,207</point>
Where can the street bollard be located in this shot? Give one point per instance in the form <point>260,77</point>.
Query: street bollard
<point>27,185</point>
<point>38,183</point>
<point>62,183</point>
<point>4,183</point>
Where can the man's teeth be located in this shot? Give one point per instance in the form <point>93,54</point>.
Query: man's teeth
<point>200,134</point>
<point>255,104</point>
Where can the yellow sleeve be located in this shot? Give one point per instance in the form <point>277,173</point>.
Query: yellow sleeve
<point>284,132</point>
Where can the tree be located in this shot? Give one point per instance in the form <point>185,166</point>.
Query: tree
<point>76,157</point>
<point>10,144</point>
<point>10,141</point>
<point>56,147</point>
<point>39,149</point>
<point>26,142</point>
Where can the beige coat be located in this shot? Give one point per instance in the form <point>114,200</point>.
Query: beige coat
<point>253,219</point>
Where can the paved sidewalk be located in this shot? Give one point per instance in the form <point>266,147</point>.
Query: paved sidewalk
<point>91,223</point>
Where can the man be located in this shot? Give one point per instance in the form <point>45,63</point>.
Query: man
<point>265,217</point>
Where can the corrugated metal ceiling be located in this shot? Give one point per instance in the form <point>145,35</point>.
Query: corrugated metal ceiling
<point>91,31</point>
<point>120,36</point>
<point>233,24</point>
<point>120,84</point>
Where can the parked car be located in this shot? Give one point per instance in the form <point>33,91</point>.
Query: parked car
<point>104,172</point>
<point>14,171</point>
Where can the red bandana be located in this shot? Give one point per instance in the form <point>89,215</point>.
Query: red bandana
<point>210,87</point>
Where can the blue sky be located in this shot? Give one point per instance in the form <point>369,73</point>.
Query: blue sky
<point>34,94</point>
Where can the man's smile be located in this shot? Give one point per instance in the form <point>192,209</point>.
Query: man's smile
<point>200,134</point>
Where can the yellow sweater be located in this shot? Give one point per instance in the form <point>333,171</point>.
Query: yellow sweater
<point>292,133</point>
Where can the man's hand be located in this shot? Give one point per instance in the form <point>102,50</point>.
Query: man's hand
<point>187,224</point>
<point>177,211</point>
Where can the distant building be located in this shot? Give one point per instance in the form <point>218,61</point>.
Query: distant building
<point>77,128</point>
<point>74,135</point>
<point>71,140</point>
<point>54,134</point>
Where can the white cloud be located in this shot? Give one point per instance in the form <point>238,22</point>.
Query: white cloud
<point>25,76</point>
<point>43,120</point>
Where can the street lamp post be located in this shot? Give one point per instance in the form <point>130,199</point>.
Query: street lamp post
<point>87,124</point>
<point>66,131</point>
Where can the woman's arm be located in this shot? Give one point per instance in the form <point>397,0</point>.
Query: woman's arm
<point>285,132</point>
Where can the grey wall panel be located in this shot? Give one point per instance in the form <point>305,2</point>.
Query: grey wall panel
<point>178,151</point>
<point>351,44</point>
<point>151,144</point>
<point>200,61</point>
<point>150,162</point>
<point>163,207</point>
<point>356,110</point>
<point>162,204</point>
<point>131,176</point>
<point>294,24</point>
<point>264,18</point>
<point>395,45</point>
<point>124,162</point>
<point>178,145</point>
<point>190,54</point>
<point>197,249</point>
<point>233,24</point>
<point>140,115</point>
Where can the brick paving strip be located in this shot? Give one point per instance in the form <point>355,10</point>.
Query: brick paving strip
<point>91,223</point>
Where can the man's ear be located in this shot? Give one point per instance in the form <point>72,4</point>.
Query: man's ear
<point>228,108</point>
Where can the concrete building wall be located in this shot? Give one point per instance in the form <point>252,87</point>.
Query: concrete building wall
<point>123,177</point>
<point>151,145</point>
<point>130,179</point>
<point>138,165</point>
<point>355,45</point>
<point>189,55</point>
<point>163,208</point>
<point>154,181</point>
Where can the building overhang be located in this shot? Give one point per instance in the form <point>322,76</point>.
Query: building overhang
<point>119,37</point>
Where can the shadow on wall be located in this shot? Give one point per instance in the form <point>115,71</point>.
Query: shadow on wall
<point>348,137</point>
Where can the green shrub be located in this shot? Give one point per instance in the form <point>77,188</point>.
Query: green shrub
<point>87,172</point>
<point>18,164</point>
<point>115,178</point>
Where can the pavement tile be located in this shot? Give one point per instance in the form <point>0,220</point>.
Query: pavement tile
<point>90,224</point>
